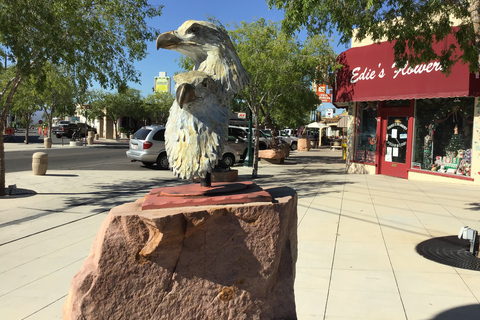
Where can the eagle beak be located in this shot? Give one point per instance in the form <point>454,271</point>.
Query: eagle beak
<point>167,40</point>
<point>185,93</point>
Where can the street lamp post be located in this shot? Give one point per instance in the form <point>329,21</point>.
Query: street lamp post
<point>248,161</point>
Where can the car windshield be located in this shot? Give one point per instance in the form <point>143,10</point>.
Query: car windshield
<point>141,134</point>
<point>267,133</point>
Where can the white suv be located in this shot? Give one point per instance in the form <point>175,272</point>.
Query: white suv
<point>147,145</point>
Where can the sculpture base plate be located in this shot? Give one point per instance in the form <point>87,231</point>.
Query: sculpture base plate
<point>196,195</point>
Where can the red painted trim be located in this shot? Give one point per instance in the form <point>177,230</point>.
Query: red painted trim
<point>447,175</point>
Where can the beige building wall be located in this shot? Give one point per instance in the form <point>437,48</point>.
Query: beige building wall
<point>368,41</point>
<point>109,134</point>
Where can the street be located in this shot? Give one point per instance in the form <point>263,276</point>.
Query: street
<point>110,156</point>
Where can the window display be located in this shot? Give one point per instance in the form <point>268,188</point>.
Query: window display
<point>366,126</point>
<point>443,135</point>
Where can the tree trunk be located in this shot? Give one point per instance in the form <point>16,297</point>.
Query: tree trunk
<point>28,118</point>
<point>16,82</point>
<point>257,144</point>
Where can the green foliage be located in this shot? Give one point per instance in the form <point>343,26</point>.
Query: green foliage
<point>157,106</point>
<point>414,25</point>
<point>281,71</point>
<point>97,40</point>
<point>92,40</point>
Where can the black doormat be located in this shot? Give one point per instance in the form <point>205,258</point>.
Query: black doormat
<point>450,251</point>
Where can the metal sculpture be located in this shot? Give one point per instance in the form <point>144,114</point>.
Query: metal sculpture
<point>197,126</point>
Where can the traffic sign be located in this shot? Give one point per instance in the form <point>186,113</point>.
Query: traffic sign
<point>40,121</point>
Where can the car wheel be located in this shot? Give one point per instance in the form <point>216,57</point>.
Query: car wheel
<point>262,146</point>
<point>69,135</point>
<point>293,146</point>
<point>148,164</point>
<point>162,161</point>
<point>228,159</point>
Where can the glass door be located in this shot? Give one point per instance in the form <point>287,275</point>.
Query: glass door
<point>396,141</point>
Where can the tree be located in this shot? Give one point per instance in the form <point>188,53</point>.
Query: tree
<point>25,105</point>
<point>56,94</point>
<point>116,105</point>
<point>281,71</point>
<point>413,25</point>
<point>93,40</point>
<point>157,106</point>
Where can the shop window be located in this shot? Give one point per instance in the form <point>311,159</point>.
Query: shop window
<point>366,127</point>
<point>443,135</point>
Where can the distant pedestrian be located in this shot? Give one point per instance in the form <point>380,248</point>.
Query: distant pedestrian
<point>315,140</point>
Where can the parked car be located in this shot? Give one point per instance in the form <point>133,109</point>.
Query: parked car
<point>68,130</point>
<point>147,145</point>
<point>239,145</point>
<point>242,133</point>
<point>291,140</point>
<point>59,128</point>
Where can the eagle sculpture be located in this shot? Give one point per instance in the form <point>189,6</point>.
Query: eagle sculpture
<point>197,126</point>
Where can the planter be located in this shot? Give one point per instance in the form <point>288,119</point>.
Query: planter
<point>303,144</point>
<point>276,156</point>
<point>76,143</point>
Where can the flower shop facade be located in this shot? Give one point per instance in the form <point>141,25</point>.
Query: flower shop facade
<point>413,122</point>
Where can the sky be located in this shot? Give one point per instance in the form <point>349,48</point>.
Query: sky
<point>175,13</point>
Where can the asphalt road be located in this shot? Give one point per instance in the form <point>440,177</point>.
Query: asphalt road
<point>109,157</point>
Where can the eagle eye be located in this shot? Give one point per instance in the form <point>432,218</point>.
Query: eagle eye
<point>193,29</point>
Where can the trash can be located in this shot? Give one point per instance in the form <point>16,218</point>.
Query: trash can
<point>90,140</point>
<point>39,163</point>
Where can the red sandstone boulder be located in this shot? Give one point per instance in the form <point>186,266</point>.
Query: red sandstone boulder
<point>219,262</point>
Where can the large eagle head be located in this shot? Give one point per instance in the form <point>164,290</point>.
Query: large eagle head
<point>211,49</point>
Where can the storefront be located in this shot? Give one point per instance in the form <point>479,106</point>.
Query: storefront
<point>411,122</point>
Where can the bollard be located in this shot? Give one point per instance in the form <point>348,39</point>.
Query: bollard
<point>90,140</point>
<point>91,133</point>
<point>97,136</point>
<point>39,163</point>
<point>47,142</point>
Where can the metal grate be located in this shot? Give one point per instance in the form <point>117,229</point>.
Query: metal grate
<point>450,251</point>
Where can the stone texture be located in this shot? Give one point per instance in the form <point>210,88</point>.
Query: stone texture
<point>39,163</point>
<point>218,262</point>
<point>303,144</point>
<point>271,154</point>
<point>225,176</point>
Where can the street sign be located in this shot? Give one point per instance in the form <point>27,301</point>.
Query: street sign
<point>40,121</point>
<point>87,106</point>
<point>242,115</point>
<point>325,97</point>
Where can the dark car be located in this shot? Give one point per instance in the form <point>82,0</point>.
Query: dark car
<point>69,129</point>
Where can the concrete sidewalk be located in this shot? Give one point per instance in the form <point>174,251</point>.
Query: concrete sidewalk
<point>357,238</point>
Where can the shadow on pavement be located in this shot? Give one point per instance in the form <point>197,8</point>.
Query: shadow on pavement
<point>466,312</point>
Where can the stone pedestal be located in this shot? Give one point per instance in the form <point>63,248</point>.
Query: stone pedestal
<point>303,144</point>
<point>39,163</point>
<point>204,262</point>
<point>225,176</point>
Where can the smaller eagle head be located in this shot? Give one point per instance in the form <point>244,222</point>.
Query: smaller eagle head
<point>195,87</point>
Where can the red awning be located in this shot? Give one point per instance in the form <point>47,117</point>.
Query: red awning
<point>369,74</point>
